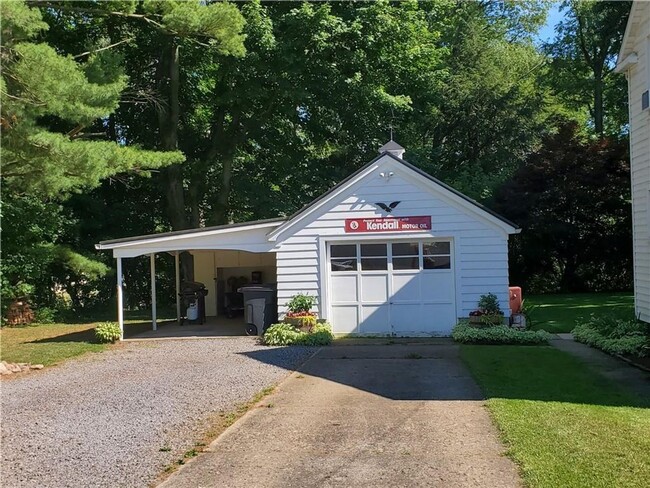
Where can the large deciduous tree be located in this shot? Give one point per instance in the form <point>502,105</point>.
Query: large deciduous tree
<point>489,113</point>
<point>583,60</point>
<point>312,97</point>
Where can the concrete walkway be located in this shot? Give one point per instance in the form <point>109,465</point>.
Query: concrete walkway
<point>625,375</point>
<point>362,415</point>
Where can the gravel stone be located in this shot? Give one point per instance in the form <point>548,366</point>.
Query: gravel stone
<point>102,420</point>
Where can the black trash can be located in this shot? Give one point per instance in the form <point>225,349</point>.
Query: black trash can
<point>260,307</point>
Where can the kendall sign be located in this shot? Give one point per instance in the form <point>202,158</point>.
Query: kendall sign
<point>389,224</point>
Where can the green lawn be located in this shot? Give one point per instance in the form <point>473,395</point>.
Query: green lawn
<point>565,425</point>
<point>49,344</point>
<point>558,313</point>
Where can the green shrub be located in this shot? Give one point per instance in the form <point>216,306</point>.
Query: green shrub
<point>614,335</point>
<point>301,303</point>
<point>498,334</point>
<point>45,315</point>
<point>107,332</point>
<point>280,335</point>
<point>288,335</point>
<point>489,304</point>
<point>320,335</point>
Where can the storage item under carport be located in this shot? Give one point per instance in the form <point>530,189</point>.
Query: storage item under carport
<point>193,296</point>
<point>260,302</point>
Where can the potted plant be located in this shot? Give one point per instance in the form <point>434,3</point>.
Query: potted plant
<point>299,312</point>
<point>488,313</point>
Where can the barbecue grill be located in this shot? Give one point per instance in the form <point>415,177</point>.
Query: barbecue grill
<point>193,292</point>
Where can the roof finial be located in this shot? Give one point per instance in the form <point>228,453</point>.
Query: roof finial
<point>393,148</point>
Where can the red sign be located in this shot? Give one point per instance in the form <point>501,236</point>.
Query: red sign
<point>388,224</point>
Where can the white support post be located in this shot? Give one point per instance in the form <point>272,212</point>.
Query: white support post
<point>120,300</point>
<point>177,267</point>
<point>153,291</point>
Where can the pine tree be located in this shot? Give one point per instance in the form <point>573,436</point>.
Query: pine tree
<point>48,100</point>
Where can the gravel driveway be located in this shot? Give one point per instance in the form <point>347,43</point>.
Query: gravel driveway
<point>103,419</point>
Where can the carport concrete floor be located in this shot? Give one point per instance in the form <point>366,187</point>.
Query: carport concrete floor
<point>362,415</point>
<point>212,328</point>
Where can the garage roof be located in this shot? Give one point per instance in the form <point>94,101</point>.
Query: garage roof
<point>291,220</point>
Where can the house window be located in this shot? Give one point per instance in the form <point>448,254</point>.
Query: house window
<point>343,257</point>
<point>406,255</point>
<point>436,255</point>
<point>374,257</point>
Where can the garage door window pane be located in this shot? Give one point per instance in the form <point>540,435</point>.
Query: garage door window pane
<point>373,250</point>
<point>437,262</point>
<point>405,249</point>
<point>344,251</point>
<point>436,248</point>
<point>406,263</point>
<point>374,264</point>
<point>344,264</point>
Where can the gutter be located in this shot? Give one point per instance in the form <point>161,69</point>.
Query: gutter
<point>629,61</point>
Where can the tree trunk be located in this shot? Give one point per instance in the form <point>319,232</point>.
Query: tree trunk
<point>168,117</point>
<point>568,282</point>
<point>221,207</point>
<point>598,102</point>
<point>194,198</point>
<point>223,145</point>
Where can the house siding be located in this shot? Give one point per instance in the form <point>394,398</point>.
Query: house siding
<point>481,249</point>
<point>638,82</point>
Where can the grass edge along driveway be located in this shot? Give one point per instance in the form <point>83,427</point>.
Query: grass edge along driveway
<point>51,344</point>
<point>563,424</point>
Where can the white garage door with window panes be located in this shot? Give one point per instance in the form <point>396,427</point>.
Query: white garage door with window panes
<point>392,288</point>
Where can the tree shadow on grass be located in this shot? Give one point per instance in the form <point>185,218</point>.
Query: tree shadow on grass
<point>544,374</point>
<point>78,336</point>
<point>88,335</point>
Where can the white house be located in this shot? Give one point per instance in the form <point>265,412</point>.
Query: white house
<point>388,251</point>
<point>634,61</point>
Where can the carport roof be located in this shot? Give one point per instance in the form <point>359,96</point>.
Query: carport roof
<point>110,244</point>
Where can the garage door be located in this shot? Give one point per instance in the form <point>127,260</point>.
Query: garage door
<point>392,288</point>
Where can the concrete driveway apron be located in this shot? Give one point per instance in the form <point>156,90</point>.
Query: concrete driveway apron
<point>362,415</point>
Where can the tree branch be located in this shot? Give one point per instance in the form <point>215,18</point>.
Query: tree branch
<point>583,43</point>
<point>98,11</point>
<point>103,48</point>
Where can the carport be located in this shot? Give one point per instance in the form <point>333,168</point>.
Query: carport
<point>220,249</point>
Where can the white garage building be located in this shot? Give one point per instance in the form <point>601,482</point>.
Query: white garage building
<point>388,251</point>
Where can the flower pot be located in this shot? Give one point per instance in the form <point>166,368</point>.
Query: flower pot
<point>304,323</point>
<point>518,321</point>
<point>475,319</point>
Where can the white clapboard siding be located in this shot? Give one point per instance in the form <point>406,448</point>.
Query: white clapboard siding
<point>481,249</point>
<point>638,82</point>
